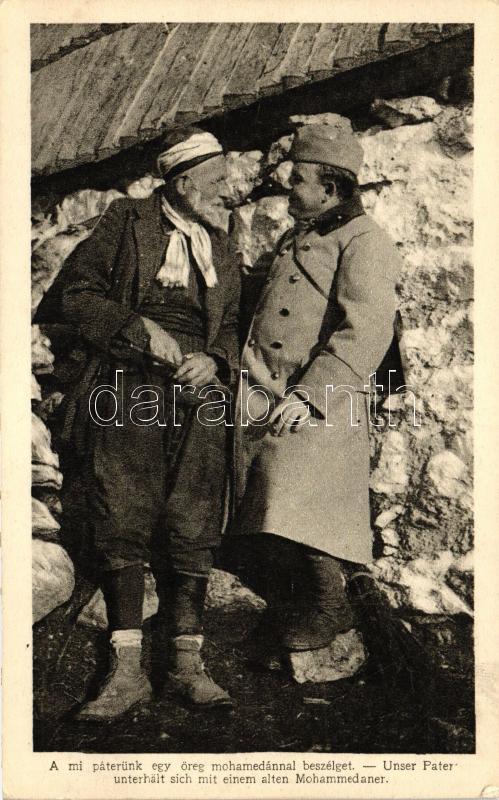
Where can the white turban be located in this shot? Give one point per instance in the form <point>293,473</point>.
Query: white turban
<point>197,145</point>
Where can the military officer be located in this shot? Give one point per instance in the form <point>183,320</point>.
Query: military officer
<point>322,325</point>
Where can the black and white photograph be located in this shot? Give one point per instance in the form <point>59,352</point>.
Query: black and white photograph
<point>252,400</point>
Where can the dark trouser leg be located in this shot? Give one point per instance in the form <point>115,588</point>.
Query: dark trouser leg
<point>181,588</point>
<point>125,489</point>
<point>126,683</point>
<point>182,592</point>
<point>123,591</point>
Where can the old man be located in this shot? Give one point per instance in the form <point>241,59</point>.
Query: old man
<point>155,297</point>
<point>323,323</point>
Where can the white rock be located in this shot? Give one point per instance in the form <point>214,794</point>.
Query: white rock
<point>390,537</point>
<point>143,187</point>
<point>461,444</point>
<point>224,589</point>
<point>244,172</point>
<point>49,405</point>
<point>387,154</point>
<point>36,393</point>
<point>52,577</point>
<point>342,124</point>
<point>465,563</point>
<point>449,392</point>
<point>386,517</point>
<point>258,226</point>
<point>282,173</point>
<point>42,521</point>
<point>448,473</point>
<point>455,130</point>
<point>423,198</point>
<point>391,475</point>
<point>279,150</point>
<point>420,584</point>
<point>48,257</point>
<point>42,359</point>
<point>403,110</point>
<point>84,205</point>
<point>46,476</point>
<point>341,659</point>
<point>41,443</point>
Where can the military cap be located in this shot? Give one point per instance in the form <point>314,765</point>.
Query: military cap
<point>323,144</point>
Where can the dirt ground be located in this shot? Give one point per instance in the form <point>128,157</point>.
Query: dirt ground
<point>427,714</point>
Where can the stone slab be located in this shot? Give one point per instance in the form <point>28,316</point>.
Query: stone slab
<point>341,659</point>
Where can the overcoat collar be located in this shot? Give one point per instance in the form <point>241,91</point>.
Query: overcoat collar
<point>332,219</point>
<point>339,215</point>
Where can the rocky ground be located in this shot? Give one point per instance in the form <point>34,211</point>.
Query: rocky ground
<point>409,713</point>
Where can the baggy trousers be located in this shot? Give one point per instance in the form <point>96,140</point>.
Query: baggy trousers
<point>156,491</point>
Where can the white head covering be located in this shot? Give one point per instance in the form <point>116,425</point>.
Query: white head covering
<point>199,144</point>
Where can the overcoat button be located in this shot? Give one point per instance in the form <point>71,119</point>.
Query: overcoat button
<point>274,376</point>
<point>284,312</point>
<point>306,246</point>
<point>276,345</point>
<point>251,342</point>
<point>294,278</point>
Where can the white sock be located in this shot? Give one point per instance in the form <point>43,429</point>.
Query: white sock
<point>127,638</point>
<point>190,638</point>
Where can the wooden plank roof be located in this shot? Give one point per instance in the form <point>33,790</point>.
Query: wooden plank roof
<point>97,89</point>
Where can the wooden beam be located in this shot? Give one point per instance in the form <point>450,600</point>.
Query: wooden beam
<point>295,69</point>
<point>242,87</point>
<point>212,62</point>
<point>270,80</point>
<point>213,100</point>
<point>134,70</point>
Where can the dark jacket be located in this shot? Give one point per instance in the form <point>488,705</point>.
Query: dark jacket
<point>105,278</point>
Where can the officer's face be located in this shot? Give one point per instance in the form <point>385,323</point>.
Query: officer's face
<point>205,190</point>
<point>308,197</point>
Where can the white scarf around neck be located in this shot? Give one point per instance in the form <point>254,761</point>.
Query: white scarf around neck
<point>175,268</point>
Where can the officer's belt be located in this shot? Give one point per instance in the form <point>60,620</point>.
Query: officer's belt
<point>307,274</point>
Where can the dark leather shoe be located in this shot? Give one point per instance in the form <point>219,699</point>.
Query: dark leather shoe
<point>309,630</point>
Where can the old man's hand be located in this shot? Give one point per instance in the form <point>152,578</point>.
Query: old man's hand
<point>288,415</point>
<point>198,369</point>
<point>162,346</point>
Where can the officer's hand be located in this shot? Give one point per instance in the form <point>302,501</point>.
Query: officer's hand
<point>288,415</point>
<point>198,369</point>
<point>161,344</point>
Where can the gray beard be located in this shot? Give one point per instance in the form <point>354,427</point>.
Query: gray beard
<point>215,216</point>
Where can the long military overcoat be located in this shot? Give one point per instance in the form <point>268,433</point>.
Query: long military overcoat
<point>324,320</point>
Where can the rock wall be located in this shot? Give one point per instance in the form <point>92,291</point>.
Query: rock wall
<point>417,184</point>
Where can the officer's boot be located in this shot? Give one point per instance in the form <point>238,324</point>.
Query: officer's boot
<point>126,683</point>
<point>263,646</point>
<point>321,607</point>
<point>187,672</point>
